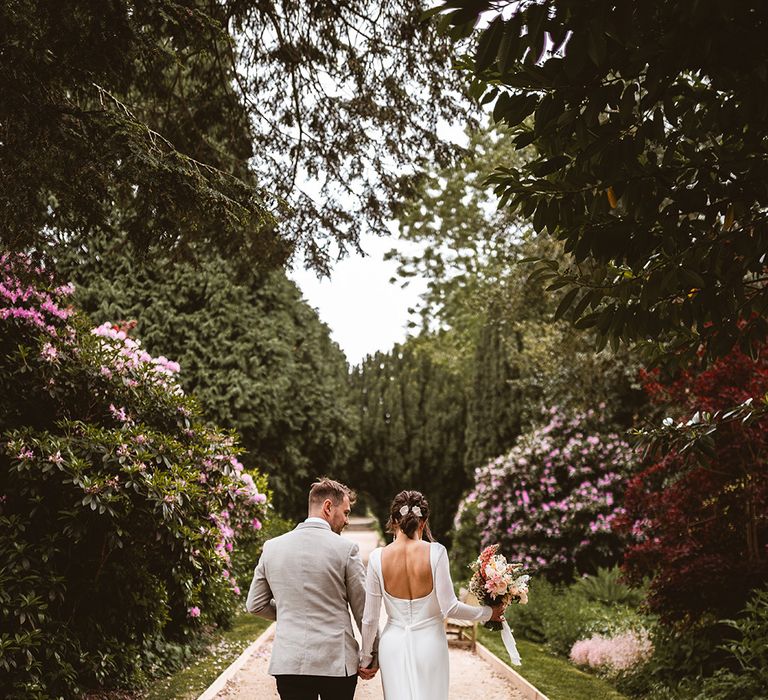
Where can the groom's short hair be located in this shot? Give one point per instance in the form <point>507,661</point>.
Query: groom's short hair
<point>328,488</point>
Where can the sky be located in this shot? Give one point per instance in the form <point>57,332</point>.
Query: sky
<point>363,310</point>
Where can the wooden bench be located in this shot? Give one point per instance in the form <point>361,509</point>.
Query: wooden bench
<point>462,633</point>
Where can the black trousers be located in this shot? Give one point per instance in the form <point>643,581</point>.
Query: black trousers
<point>309,687</point>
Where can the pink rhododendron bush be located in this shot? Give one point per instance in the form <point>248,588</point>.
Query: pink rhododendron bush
<point>120,509</point>
<point>613,655</point>
<point>552,499</point>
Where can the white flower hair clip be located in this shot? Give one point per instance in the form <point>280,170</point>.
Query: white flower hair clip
<point>414,509</point>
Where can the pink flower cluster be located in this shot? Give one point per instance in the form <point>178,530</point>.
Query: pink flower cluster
<point>554,496</point>
<point>244,504</point>
<point>613,654</point>
<point>119,414</point>
<point>133,363</point>
<point>28,302</point>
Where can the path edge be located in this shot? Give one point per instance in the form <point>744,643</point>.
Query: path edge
<point>527,690</point>
<point>218,685</point>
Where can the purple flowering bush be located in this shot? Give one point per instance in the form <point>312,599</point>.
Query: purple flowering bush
<point>551,500</point>
<point>121,509</point>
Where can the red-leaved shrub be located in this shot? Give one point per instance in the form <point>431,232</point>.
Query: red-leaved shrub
<point>700,526</point>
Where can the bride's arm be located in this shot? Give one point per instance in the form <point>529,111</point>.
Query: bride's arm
<point>370,614</point>
<point>450,606</point>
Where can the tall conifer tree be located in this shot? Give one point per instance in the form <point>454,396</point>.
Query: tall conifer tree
<point>412,413</point>
<point>254,353</point>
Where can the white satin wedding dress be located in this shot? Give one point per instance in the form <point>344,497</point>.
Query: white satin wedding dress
<point>413,649</point>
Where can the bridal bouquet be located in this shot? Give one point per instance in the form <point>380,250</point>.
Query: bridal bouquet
<point>495,580</point>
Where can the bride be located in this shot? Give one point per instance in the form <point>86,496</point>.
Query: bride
<point>413,578</point>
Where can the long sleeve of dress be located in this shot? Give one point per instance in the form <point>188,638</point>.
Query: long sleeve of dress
<point>450,606</point>
<point>371,614</point>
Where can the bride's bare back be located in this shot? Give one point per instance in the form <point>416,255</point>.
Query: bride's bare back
<point>406,569</point>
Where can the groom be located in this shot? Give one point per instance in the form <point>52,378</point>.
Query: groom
<point>305,580</point>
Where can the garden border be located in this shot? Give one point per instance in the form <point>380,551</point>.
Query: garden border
<point>218,685</point>
<point>527,690</point>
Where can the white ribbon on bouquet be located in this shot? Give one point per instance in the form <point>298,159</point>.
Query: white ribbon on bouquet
<point>509,643</point>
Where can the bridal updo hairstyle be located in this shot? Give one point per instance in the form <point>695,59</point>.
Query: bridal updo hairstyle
<point>409,522</point>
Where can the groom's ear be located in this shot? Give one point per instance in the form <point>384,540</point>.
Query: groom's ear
<point>327,506</point>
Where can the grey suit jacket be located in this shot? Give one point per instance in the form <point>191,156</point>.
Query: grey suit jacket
<point>306,579</point>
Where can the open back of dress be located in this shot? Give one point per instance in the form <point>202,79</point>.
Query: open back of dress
<point>413,651</point>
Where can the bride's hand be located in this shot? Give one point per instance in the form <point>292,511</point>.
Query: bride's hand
<point>498,612</point>
<point>366,673</point>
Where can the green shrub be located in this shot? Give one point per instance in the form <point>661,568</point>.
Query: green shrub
<point>706,661</point>
<point>571,618</point>
<point>560,616</point>
<point>682,657</point>
<point>119,505</point>
<point>465,542</point>
<point>255,354</point>
<point>527,621</point>
<point>607,587</point>
<point>747,656</point>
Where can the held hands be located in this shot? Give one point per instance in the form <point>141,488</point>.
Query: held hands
<point>368,673</point>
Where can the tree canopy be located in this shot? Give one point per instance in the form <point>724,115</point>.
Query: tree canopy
<point>190,123</point>
<point>497,316</point>
<point>649,124</point>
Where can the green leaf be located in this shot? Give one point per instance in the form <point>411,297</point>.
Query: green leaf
<point>509,48</point>
<point>535,17</point>
<point>565,303</point>
<point>524,139</point>
<point>558,285</point>
<point>489,96</point>
<point>627,104</point>
<point>589,321</point>
<point>489,43</point>
<point>579,309</point>
<point>501,106</point>
<point>515,108</point>
<point>550,165</point>
<point>549,108</point>
<point>597,45</point>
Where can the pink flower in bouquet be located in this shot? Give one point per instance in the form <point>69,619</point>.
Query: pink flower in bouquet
<point>496,586</point>
<point>498,581</point>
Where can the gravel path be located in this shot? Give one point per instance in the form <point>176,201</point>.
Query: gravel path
<point>471,677</point>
